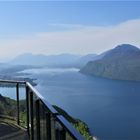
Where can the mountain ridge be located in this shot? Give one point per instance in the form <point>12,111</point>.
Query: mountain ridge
<point>122,63</point>
<point>60,60</point>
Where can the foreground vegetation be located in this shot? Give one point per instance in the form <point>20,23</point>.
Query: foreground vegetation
<point>78,124</point>
<point>8,107</point>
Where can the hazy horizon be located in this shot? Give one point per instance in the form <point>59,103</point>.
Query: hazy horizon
<point>4,59</point>
<point>67,27</point>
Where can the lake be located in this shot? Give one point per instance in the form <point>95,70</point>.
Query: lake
<point>111,108</point>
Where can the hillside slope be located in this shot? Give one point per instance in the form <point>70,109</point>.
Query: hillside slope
<point>122,63</point>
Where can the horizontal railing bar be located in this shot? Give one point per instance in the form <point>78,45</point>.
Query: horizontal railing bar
<point>73,132</point>
<point>12,81</point>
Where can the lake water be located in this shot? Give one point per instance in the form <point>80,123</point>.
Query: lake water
<point>111,108</point>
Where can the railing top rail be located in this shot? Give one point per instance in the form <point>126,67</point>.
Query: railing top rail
<point>75,134</point>
<point>12,81</point>
<point>49,106</point>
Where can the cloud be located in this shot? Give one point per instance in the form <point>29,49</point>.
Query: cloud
<point>68,26</point>
<point>80,39</point>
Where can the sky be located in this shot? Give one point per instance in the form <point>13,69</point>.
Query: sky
<point>77,27</point>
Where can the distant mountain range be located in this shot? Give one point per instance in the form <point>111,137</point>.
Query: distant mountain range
<point>62,60</point>
<point>122,62</point>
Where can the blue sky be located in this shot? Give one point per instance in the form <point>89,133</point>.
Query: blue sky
<point>28,17</point>
<point>22,23</point>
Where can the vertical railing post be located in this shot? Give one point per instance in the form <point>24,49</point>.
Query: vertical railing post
<point>32,115</point>
<point>27,107</point>
<point>17,94</point>
<point>37,119</point>
<point>48,125</point>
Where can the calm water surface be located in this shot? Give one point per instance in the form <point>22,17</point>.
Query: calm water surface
<point>111,108</point>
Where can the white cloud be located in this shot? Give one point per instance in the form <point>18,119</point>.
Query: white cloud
<point>83,39</point>
<point>71,26</point>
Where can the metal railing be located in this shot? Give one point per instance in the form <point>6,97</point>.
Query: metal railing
<point>43,122</point>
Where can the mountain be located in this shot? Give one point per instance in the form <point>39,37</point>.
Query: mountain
<point>61,60</point>
<point>47,60</point>
<point>85,59</point>
<point>122,63</point>
<point>82,61</point>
